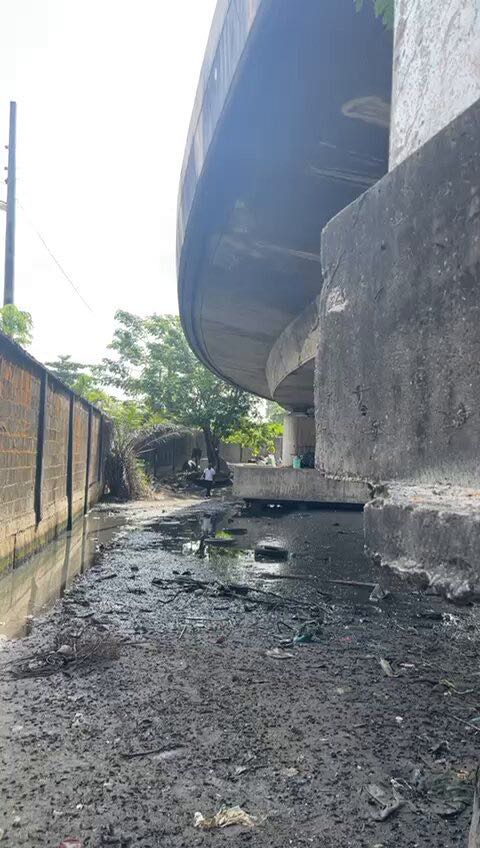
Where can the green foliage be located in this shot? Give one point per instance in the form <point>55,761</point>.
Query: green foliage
<point>275,413</point>
<point>67,370</point>
<point>124,472</point>
<point>384,9</point>
<point>155,364</point>
<point>16,324</point>
<point>256,435</point>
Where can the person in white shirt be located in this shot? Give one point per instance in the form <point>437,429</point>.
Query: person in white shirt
<point>209,476</point>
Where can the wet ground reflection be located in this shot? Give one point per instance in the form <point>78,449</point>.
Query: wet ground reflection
<point>36,584</point>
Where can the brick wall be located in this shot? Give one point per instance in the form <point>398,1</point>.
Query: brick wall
<point>35,455</point>
<point>96,447</point>
<point>56,447</point>
<point>19,401</point>
<point>80,435</point>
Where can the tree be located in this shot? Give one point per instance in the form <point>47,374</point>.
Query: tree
<point>16,324</point>
<point>155,364</point>
<point>274,412</point>
<point>257,435</point>
<point>67,370</point>
<point>383,9</point>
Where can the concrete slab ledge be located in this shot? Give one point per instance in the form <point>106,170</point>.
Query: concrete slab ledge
<point>264,483</point>
<point>429,531</point>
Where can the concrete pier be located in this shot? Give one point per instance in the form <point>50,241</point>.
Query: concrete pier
<point>261,483</point>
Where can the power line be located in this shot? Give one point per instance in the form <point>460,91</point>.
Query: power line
<point>52,256</point>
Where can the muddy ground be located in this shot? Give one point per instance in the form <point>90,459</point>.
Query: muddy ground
<point>172,705</point>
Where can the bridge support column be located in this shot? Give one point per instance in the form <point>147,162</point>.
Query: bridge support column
<point>435,70</point>
<point>298,435</point>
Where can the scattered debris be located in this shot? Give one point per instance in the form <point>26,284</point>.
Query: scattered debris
<point>289,772</point>
<point>278,654</point>
<point>269,575</point>
<point>70,842</point>
<point>309,631</point>
<point>215,588</point>
<point>66,651</point>
<point>452,688</point>
<point>130,755</point>
<point>378,594</point>
<point>387,668</point>
<point>275,552</point>
<point>358,583</point>
<point>71,651</point>
<point>225,817</point>
<point>474,835</point>
<point>432,615</point>
<point>220,542</point>
<point>387,805</point>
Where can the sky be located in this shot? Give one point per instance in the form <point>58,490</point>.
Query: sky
<point>104,92</point>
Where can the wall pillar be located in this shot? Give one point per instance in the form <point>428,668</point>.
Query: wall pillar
<point>298,435</point>
<point>436,69</point>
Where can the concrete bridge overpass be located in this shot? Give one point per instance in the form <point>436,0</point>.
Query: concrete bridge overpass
<point>288,145</point>
<point>290,125</point>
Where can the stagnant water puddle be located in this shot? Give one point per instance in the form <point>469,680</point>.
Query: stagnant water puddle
<point>28,590</point>
<point>295,551</point>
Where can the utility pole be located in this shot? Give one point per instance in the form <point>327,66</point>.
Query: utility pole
<point>8,292</point>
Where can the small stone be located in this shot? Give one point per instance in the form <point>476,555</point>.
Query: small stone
<point>65,650</point>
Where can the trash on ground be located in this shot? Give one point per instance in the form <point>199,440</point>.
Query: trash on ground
<point>71,650</point>
<point>307,632</point>
<point>303,638</point>
<point>450,793</point>
<point>289,772</point>
<point>65,651</point>
<point>225,817</point>
<point>452,688</point>
<point>278,654</point>
<point>387,668</point>
<point>70,842</point>
<point>474,834</point>
<point>432,615</point>
<point>386,804</point>
<point>275,552</point>
<point>360,584</point>
<point>378,594</point>
<point>218,589</point>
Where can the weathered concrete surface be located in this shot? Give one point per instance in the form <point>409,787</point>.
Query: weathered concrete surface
<point>295,349</point>
<point>298,436</point>
<point>259,482</point>
<point>436,71</point>
<point>398,367</point>
<point>433,531</point>
<point>290,125</point>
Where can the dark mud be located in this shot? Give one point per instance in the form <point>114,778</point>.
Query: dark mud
<point>194,714</point>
